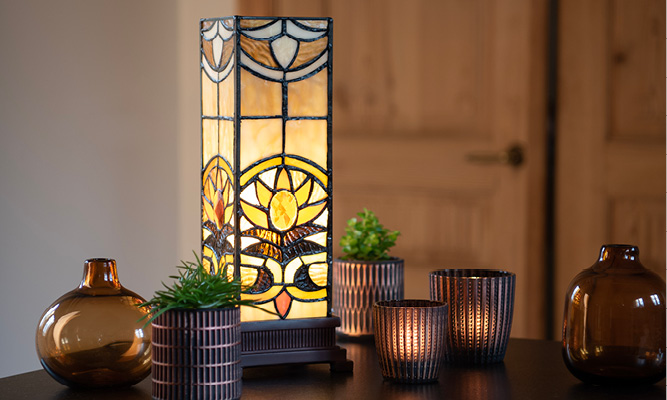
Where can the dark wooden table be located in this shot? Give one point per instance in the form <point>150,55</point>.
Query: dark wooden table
<point>533,369</point>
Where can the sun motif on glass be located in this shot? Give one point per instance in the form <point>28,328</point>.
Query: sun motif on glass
<point>284,239</point>
<point>217,212</point>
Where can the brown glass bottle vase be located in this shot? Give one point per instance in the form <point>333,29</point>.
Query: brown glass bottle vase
<point>91,336</point>
<point>614,321</point>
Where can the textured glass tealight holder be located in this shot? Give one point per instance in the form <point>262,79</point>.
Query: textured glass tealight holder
<point>481,304</point>
<point>410,339</point>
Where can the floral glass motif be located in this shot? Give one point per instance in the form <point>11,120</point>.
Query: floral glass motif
<point>266,187</point>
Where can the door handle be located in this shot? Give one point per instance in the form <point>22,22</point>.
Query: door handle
<point>513,156</point>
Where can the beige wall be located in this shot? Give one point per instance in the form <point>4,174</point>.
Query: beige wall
<point>99,150</point>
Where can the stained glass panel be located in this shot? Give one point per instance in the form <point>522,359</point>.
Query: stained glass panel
<point>281,177</point>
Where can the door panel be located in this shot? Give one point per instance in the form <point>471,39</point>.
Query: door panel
<point>417,87</point>
<point>611,134</point>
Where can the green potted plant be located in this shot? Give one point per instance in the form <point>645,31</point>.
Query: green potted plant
<point>365,274</point>
<point>196,335</point>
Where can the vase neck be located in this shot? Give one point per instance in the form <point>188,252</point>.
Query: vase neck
<point>619,256</point>
<point>100,273</point>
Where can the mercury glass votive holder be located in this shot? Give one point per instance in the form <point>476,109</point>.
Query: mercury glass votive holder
<point>410,339</point>
<point>481,304</point>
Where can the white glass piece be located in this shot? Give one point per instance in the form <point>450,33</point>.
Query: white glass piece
<point>215,76</point>
<point>269,177</point>
<point>269,73</point>
<point>250,196</point>
<point>266,32</point>
<point>217,50</point>
<point>211,32</point>
<point>297,178</point>
<point>284,49</point>
<point>290,269</point>
<point>230,239</point>
<point>317,194</point>
<point>224,33</point>
<point>301,33</point>
<point>312,67</point>
<point>248,241</point>
<point>319,238</point>
<point>323,219</point>
<point>245,225</point>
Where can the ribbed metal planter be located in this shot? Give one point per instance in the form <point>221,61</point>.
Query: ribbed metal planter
<point>481,304</point>
<point>197,354</point>
<point>357,285</point>
<point>410,339</point>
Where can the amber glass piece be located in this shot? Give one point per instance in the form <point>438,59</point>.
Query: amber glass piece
<point>614,321</point>
<point>91,337</point>
<point>283,210</point>
<point>309,50</point>
<point>308,139</point>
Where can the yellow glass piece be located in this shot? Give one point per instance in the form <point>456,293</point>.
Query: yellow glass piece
<point>283,181</point>
<point>307,167</point>
<point>248,276</point>
<point>302,294</point>
<point>209,96</point>
<point>308,97</point>
<point>255,215</point>
<point>307,310</point>
<point>253,314</point>
<point>228,214</point>
<point>318,194</point>
<point>260,139</point>
<point>259,96</point>
<point>226,93</point>
<point>226,140</point>
<point>297,178</point>
<point>290,269</point>
<point>319,273</point>
<point>308,139</point>
<point>209,139</point>
<point>263,194</point>
<point>319,238</point>
<point>276,271</point>
<point>250,260</point>
<point>303,192</point>
<point>314,258</point>
<point>205,233</point>
<point>283,210</point>
<point>308,213</point>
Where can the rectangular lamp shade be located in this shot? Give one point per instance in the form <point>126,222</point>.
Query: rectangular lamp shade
<point>266,160</point>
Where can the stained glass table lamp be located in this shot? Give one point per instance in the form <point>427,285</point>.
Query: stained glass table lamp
<point>266,180</point>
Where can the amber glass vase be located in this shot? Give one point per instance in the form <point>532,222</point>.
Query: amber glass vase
<point>91,337</point>
<point>614,322</point>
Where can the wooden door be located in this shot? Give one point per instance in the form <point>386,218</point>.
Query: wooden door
<point>611,134</point>
<point>418,86</point>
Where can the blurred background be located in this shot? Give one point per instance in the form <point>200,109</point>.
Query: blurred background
<point>100,140</point>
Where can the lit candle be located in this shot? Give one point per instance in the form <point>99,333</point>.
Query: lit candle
<point>481,303</point>
<point>410,338</point>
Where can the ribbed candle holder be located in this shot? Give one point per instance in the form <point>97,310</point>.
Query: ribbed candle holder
<point>357,285</point>
<point>197,354</point>
<point>410,339</point>
<point>481,304</point>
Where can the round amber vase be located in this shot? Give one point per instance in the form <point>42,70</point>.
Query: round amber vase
<point>92,336</point>
<point>614,321</point>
